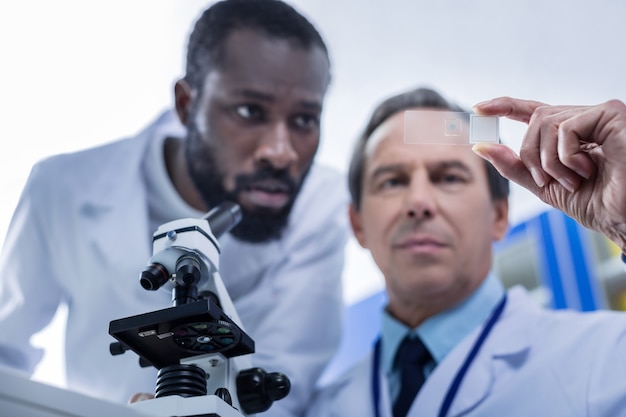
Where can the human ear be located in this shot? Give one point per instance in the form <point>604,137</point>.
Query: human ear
<point>183,96</point>
<point>357,225</point>
<point>501,218</point>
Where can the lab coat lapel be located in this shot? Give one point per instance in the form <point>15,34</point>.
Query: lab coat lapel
<point>118,198</point>
<point>505,350</point>
<point>506,343</point>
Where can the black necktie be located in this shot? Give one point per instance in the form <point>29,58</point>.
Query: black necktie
<point>411,357</point>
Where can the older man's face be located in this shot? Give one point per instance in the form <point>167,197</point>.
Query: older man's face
<point>428,219</point>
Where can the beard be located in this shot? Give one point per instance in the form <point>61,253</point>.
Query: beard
<point>257,225</point>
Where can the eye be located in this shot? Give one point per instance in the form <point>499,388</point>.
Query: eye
<point>452,179</point>
<point>390,182</point>
<point>306,121</point>
<point>250,112</point>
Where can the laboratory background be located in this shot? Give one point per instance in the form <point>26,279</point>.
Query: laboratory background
<point>75,74</point>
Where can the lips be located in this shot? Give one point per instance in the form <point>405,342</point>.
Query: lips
<point>267,193</point>
<point>420,243</point>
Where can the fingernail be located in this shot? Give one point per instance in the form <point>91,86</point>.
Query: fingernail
<point>583,174</point>
<point>482,103</point>
<point>537,176</point>
<point>479,149</point>
<point>567,184</point>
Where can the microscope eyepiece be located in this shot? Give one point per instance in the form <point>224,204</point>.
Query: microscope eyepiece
<point>224,217</point>
<point>153,277</point>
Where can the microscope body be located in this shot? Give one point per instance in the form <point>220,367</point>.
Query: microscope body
<point>198,345</point>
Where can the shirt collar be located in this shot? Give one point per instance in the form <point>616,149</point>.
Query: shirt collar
<point>442,332</point>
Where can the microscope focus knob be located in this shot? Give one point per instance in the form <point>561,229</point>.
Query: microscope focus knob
<point>257,389</point>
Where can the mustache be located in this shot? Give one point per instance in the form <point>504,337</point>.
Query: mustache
<point>245,181</point>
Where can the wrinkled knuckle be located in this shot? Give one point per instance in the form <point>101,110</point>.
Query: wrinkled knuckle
<point>526,152</point>
<point>616,105</point>
<point>543,111</point>
<point>567,126</point>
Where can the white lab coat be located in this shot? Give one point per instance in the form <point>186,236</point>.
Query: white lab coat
<point>80,234</point>
<point>535,362</point>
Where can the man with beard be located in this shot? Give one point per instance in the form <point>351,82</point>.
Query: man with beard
<point>249,112</point>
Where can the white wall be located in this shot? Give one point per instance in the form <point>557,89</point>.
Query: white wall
<point>74,74</point>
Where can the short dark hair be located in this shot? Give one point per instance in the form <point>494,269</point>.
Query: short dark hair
<point>418,98</point>
<point>273,17</point>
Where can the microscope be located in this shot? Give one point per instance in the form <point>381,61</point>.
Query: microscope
<point>198,345</point>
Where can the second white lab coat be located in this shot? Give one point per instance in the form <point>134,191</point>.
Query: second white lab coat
<point>81,234</point>
<point>535,362</point>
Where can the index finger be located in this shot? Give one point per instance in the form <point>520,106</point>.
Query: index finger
<point>513,108</point>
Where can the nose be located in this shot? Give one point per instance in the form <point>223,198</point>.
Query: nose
<point>420,199</point>
<point>275,148</point>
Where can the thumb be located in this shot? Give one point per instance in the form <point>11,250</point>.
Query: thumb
<point>507,163</point>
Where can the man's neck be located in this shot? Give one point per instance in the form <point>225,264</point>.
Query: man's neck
<point>176,165</point>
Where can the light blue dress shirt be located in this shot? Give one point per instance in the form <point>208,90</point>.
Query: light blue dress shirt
<point>440,333</point>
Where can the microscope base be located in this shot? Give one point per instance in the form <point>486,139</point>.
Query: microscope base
<point>174,405</point>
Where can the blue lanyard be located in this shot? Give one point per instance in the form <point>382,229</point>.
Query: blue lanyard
<point>456,383</point>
